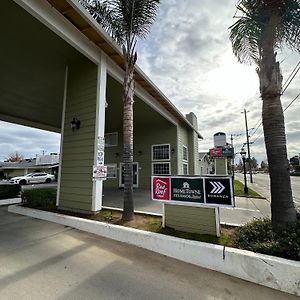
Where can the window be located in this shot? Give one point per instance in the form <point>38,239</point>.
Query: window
<point>185,153</point>
<point>185,169</point>
<point>161,168</point>
<point>112,171</point>
<point>111,139</point>
<point>161,152</point>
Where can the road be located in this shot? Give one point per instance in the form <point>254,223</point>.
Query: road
<point>261,184</point>
<point>43,260</point>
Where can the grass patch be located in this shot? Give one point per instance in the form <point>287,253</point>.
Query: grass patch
<point>239,191</point>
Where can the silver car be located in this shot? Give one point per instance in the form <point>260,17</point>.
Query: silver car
<point>33,178</point>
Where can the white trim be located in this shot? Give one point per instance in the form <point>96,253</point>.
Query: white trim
<point>217,214</point>
<point>161,163</point>
<point>137,175</point>
<point>114,165</point>
<point>187,165</point>
<point>62,135</point>
<point>99,130</point>
<point>157,160</point>
<point>178,152</point>
<point>187,153</point>
<point>54,20</point>
<point>29,123</point>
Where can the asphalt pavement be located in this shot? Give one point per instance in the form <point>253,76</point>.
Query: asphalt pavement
<point>261,184</point>
<point>43,260</point>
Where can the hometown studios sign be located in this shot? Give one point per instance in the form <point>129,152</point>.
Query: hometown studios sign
<point>196,191</point>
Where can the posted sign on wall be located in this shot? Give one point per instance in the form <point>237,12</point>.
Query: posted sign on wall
<point>197,191</point>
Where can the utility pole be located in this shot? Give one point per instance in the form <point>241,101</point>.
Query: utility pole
<point>248,145</point>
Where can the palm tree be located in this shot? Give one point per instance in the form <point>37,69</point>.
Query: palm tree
<point>263,27</point>
<point>126,21</point>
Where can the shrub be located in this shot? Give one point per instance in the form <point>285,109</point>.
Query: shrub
<point>9,191</point>
<point>40,198</point>
<point>257,236</point>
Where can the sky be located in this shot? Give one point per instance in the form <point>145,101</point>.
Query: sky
<point>188,55</point>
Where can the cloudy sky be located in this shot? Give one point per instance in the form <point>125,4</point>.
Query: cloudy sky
<point>188,56</point>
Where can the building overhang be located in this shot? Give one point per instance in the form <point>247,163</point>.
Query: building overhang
<point>76,14</point>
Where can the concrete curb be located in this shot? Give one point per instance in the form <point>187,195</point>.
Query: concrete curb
<point>10,201</point>
<point>273,272</point>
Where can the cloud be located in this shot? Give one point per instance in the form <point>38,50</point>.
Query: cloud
<point>188,56</point>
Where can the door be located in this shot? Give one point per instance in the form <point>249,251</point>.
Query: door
<point>135,166</point>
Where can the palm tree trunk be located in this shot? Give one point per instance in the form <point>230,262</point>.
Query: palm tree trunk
<point>282,206</point>
<point>128,93</point>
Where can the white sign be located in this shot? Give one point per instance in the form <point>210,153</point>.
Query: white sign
<point>100,158</point>
<point>99,172</point>
<point>101,143</point>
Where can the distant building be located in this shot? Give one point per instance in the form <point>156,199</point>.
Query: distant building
<point>42,163</point>
<point>205,163</point>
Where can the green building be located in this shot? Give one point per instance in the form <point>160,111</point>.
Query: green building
<point>57,64</point>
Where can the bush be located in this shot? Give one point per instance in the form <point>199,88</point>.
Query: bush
<point>257,236</point>
<point>40,198</point>
<point>9,191</point>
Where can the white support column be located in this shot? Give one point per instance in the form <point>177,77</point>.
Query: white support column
<point>100,128</point>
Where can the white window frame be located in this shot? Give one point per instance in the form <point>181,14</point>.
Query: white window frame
<point>187,167</point>
<point>137,175</point>
<point>159,163</point>
<point>113,166</point>
<point>167,159</point>
<point>187,153</point>
<point>110,133</point>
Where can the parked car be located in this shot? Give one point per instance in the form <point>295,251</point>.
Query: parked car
<point>33,178</point>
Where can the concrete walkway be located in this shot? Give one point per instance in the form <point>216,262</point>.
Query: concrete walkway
<point>245,211</point>
<point>42,260</point>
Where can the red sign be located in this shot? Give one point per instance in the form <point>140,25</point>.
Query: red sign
<point>216,152</point>
<point>161,188</point>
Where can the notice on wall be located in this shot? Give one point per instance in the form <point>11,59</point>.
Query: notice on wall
<point>196,191</point>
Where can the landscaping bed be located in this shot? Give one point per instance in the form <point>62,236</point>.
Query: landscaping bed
<point>256,236</point>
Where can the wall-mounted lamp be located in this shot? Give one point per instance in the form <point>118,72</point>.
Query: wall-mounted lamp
<point>75,124</point>
<point>140,153</point>
<point>117,154</point>
<point>173,151</point>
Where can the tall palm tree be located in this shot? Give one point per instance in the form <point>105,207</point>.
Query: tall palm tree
<point>263,27</point>
<point>126,21</point>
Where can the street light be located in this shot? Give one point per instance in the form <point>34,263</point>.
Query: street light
<point>243,154</point>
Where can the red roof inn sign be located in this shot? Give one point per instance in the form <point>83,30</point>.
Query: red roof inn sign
<point>195,191</point>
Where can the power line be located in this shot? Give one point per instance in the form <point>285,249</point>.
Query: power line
<point>291,102</point>
<point>291,74</point>
<point>291,79</point>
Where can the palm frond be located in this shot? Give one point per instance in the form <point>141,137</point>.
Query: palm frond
<point>124,20</point>
<point>250,31</point>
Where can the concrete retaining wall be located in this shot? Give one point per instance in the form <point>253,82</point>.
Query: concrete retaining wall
<point>277,273</point>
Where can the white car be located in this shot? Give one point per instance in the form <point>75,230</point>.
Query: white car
<point>33,178</point>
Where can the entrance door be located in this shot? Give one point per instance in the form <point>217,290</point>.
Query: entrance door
<point>135,175</point>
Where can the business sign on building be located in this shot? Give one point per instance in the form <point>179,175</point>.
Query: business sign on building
<point>221,152</point>
<point>215,152</point>
<point>196,191</point>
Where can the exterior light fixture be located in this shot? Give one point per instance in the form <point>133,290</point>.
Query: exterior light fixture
<point>173,151</point>
<point>75,124</point>
<point>140,153</point>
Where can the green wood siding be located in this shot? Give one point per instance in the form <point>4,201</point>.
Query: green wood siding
<point>191,219</point>
<point>78,146</point>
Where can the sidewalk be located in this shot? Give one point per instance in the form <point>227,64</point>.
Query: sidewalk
<point>245,211</point>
